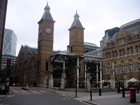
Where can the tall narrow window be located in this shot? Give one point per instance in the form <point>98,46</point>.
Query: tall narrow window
<point>131,50</point>
<point>139,66</point>
<point>120,52</point>
<point>135,37</point>
<point>116,53</point>
<point>137,49</point>
<point>46,66</point>
<point>123,52</point>
<point>128,51</point>
<point>71,49</point>
<point>123,68</point>
<point>109,70</point>
<point>116,69</point>
<point>131,66</point>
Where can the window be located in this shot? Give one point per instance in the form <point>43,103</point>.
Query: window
<point>124,40</point>
<point>123,52</point>
<point>109,55</point>
<point>128,51</point>
<point>113,54</point>
<point>109,70</point>
<point>135,37</point>
<point>137,49</point>
<point>131,50</point>
<point>131,66</point>
<point>138,66</point>
<point>46,66</point>
<point>106,55</point>
<point>116,69</point>
<point>138,36</point>
<point>123,68</point>
<point>71,49</point>
<point>116,53</point>
<point>120,52</point>
<point>32,64</point>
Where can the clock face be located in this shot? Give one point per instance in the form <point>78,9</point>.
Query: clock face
<point>48,30</point>
<point>79,36</point>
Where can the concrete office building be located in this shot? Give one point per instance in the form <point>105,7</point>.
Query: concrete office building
<point>10,43</point>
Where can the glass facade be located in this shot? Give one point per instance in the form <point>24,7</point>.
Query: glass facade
<point>4,60</point>
<point>10,43</point>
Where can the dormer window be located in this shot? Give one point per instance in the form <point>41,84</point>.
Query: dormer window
<point>138,36</point>
<point>135,37</point>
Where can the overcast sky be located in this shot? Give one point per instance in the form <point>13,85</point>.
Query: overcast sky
<point>96,16</point>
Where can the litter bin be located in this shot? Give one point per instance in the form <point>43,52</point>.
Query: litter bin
<point>132,95</point>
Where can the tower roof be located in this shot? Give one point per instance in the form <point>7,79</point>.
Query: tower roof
<point>47,15</point>
<point>76,22</point>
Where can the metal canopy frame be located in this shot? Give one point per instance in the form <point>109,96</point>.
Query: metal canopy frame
<point>65,55</point>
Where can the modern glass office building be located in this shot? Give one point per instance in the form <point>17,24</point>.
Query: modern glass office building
<point>10,43</point>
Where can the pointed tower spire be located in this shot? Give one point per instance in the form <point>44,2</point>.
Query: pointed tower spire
<point>47,15</point>
<point>76,22</point>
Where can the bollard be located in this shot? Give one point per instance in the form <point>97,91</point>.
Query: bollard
<point>100,92</point>
<point>123,93</point>
<point>91,95</point>
<point>76,92</point>
<point>27,86</point>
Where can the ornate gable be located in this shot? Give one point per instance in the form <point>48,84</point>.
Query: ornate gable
<point>136,35</point>
<point>122,37</point>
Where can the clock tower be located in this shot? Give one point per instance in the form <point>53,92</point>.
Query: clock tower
<point>76,44</point>
<point>76,36</point>
<point>45,43</point>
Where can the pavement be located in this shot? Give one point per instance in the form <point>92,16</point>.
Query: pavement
<point>106,98</point>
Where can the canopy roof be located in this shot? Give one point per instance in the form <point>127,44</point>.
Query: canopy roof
<point>133,80</point>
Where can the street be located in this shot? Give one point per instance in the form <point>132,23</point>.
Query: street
<point>35,96</point>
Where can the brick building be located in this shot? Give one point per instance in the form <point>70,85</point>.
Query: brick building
<point>122,54</point>
<point>42,65</point>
